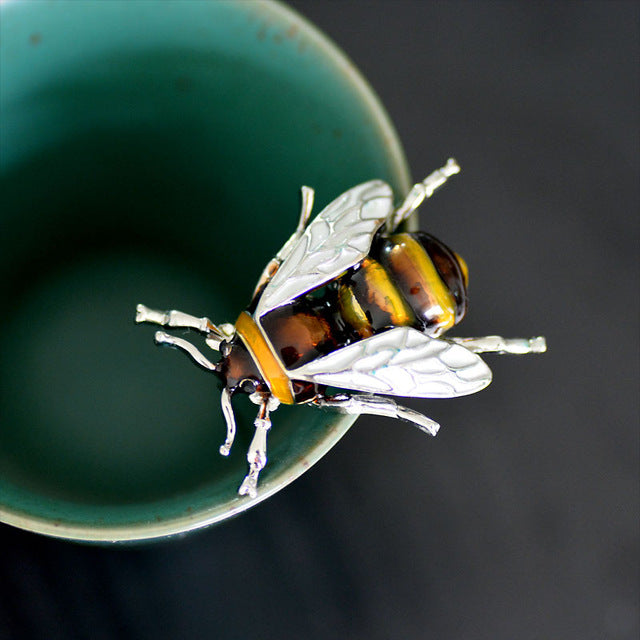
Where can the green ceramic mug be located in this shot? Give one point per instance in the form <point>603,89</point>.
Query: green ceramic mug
<point>153,152</point>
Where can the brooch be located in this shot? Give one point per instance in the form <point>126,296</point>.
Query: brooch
<point>349,302</point>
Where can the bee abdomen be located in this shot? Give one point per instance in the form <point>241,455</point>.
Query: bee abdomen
<point>370,300</point>
<point>429,276</point>
<point>411,279</point>
<point>301,332</point>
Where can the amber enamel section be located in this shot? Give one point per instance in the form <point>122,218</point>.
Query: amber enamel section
<point>378,296</point>
<point>419,281</point>
<point>450,267</point>
<point>270,368</point>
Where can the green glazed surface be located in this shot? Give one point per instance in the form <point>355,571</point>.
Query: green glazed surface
<point>153,152</point>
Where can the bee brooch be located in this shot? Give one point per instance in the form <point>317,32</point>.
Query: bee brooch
<point>350,303</point>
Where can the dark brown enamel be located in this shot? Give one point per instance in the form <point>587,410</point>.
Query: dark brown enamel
<point>304,391</point>
<point>302,331</point>
<point>238,365</point>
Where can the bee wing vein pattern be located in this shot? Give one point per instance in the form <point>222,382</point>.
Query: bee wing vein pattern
<point>338,238</point>
<point>401,362</point>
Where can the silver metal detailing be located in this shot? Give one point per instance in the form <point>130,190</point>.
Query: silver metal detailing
<point>400,362</point>
<point>144,314</point>
<point>257,454</point>
<point>173,318</point>
<point>260,398</point>
<point>498,344</point>
<point>423,190</point>
<point>227,411</point>
<point>273,265</point>
<point>184,345</point>
<point>224,332</point>
<point>308,196</point>
<point>338,238</point>
<point>179,320</point>
<point>379,406</point>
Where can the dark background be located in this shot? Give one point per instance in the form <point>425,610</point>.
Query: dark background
<point>520,520</point>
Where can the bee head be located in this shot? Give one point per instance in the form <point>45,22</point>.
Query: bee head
<point>238,369</point>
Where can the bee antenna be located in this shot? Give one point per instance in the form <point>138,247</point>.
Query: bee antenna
<point>163,338</point>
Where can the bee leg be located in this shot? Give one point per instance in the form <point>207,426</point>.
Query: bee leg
<point>227,411</point>
<point>379,406</point>
<point>498,344</point>
<point>422,191</point>
<point>163,338</point>
<point>308,195</point>
<point>257,454</point>
<point>173,318</point>
<point>179,320</point>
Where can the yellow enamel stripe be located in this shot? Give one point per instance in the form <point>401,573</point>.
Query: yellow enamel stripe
<point>262,352</point>
<point>463,267</point>
<point>385,294</point>
<point>352,312</point>
<point>429,277</point>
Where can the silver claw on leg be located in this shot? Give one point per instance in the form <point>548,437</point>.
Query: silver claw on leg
<point>379,406</point>
<point>257,453</point>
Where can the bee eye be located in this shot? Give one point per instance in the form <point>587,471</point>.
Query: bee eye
<point>249,386</point>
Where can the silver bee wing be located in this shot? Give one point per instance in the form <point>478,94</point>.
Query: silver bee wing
<point>338,238</point>
<point>400,362</point>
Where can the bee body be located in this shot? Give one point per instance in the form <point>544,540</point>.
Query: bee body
<point>407,279</point>
<point>350,303</point>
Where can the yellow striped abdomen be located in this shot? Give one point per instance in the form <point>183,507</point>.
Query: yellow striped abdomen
<point>411,279</point>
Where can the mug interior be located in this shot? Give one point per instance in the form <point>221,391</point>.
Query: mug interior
<point>153,152</point>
